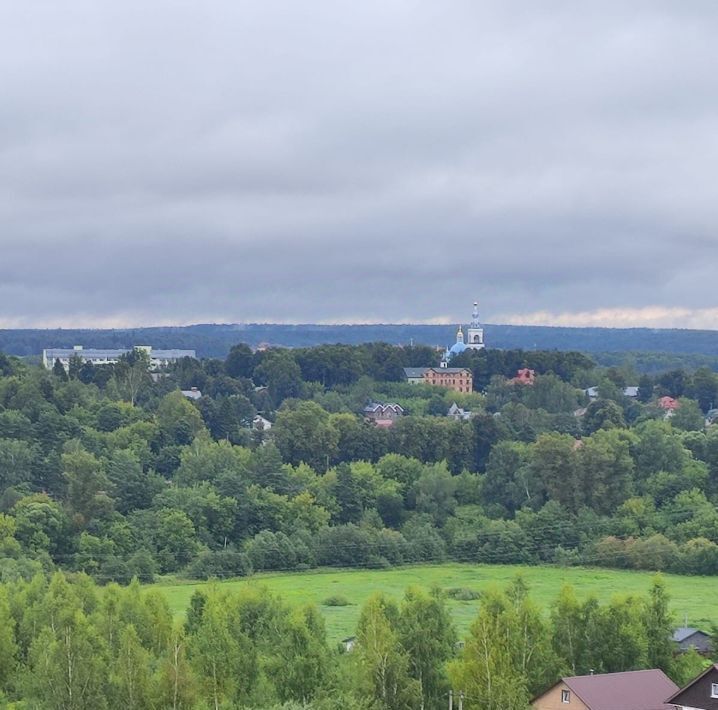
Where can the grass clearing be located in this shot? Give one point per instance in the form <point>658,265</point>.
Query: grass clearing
<point>696,597</point>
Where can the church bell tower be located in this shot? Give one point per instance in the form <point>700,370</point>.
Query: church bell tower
<point>475,332</point>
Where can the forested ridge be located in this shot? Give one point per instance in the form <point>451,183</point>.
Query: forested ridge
<point>110,473</point>
<point>215,340</point>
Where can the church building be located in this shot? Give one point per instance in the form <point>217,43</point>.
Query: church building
<point>474,338</point>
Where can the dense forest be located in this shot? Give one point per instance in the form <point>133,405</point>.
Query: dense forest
<point>112,475</point>
<point>210,340</point>
<point>112,471</point>
<point>66,644</point>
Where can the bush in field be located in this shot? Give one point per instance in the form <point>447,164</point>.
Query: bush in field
<point>336,600</point>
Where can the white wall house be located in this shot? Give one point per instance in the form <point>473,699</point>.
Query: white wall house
<point>158,358</point>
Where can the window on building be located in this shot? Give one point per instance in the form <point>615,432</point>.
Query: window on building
<point>565,696</point>
<point>714,690</point>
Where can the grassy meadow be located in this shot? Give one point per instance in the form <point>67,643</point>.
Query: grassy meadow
<point>696,597</point>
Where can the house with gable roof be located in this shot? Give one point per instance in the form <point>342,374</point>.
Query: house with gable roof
<point>687,638</point>
<point>632,690</point>
<point>700,694</point>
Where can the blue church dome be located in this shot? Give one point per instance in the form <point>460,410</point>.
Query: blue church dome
<point>457,348</point>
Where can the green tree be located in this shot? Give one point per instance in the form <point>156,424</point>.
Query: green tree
<point>606,469</point>
<point>688,416</point>
<point>88,488</point>
<point>59,371</point>
<point>705,388</point>
<point>645,389</point>
<point>131,374</point>
<point>41,523</point>
<point>130,673</point>
<point>240,361</point>
<point>175,683</point>
<point>553,461</point>
<point>223,657</point>
<point>507,485</point>
<point>133,487</point>
<point>68,666</point>
<point>280,372</point>
<point>383,666</point>
<point>603,414</point>
<point>486,671</point>
<point>304,434</point>
<point>17,460</point>
<point>568,629</point>
<point>179,420</point>
<point>435,493</point>
<point>659,625</point>
<point>300,665</point>
<point>8,645</point>
<point>427,635</point>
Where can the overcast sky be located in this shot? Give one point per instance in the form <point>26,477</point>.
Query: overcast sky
<point>340,161</point>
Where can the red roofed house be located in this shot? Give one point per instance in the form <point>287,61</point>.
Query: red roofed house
<point>524,377</point>
<point>633,690</point>
<point>669,404</point>
<point>383,415</point>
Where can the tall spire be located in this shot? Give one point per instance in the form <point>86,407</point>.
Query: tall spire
<point>475,333</point>
<point>475,316</point>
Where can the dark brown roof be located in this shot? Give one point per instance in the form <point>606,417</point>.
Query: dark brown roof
<point>714,667</point>
<point>633,690</point>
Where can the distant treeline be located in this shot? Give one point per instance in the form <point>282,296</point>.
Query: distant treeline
<point>216,340</point>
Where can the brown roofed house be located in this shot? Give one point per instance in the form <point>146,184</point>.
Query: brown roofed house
<point>633,690</point>
<point>700,694</point>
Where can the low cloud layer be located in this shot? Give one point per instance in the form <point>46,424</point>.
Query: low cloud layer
<point>339,162</point>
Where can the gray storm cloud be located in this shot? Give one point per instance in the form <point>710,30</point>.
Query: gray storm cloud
<point>176,162</point>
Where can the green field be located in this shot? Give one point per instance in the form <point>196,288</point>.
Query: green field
<point>696,597</point>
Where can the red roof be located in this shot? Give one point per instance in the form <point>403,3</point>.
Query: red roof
<point>633,690</point>
<point>384,423</point>
<point>668,403</point>
<point>524,376</point>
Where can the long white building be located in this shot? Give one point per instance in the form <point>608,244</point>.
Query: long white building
<point>158,358</point>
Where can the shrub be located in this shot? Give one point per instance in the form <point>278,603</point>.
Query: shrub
<point>425,543</point>
<point>219,563</point>
<point>336,600</point>
<point>463,594</point>
<point>378,562</point>
<point>611,552</point>
<point>566,558</point>
<point>699,556</point>
<point>344,546</point>
<point>656,552</point>
<point>271,551</point>
<point>143,566</point>
<point>115,569</point>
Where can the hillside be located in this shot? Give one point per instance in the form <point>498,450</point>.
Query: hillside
<point>693,597</point>
<point>215,340</point>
